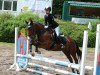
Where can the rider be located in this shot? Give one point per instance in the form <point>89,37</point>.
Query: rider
<point>49,22</point>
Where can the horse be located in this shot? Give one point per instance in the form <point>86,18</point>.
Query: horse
<point>46,40</point>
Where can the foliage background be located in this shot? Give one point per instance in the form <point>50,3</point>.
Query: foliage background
<point>8,22</point>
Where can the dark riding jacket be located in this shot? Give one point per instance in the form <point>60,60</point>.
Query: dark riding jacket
<point>49,20</point>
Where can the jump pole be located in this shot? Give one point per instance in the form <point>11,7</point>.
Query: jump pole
<point>57,62</point>
<point>52,69</point>
<point>84,52</point>
<point>62,63</point>
<point>15,65</point>
<point>97,47</point>
<point>15,54</point>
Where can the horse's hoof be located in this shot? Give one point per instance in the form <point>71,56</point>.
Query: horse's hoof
<point>33,54</point>
<point>78,72</point>
<point>38,52</point>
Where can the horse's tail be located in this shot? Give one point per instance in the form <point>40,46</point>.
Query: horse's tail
<point>79,52</point>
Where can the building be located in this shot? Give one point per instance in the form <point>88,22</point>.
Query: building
<point>8,5</point>
<point>18,6</point>
<point>80,11</point>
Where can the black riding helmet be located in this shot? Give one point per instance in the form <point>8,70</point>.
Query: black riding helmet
<point>48,9</point>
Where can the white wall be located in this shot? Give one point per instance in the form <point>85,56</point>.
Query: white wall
<point>4,4</point>
<point>35,6</point>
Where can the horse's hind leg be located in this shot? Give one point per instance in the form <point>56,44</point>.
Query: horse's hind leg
<point>76,54</point>
<point>76,61</point>
<point>69,58</point>
<point>71,61</point>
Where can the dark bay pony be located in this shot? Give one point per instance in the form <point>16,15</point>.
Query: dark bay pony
<point>45,39</point>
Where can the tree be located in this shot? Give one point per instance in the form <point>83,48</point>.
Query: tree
<point>57,6</point>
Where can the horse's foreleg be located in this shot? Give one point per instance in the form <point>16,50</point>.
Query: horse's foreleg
<point>36,48</point>
<point>30,47</point>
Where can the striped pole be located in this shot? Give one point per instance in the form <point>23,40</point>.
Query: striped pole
<point>38,72</point>
<point>53,61</point>
<point>52,69</point>
<point>56,62</point>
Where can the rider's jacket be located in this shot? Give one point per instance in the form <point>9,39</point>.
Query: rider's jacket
<point>49,20</point>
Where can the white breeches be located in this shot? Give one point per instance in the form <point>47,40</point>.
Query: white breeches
<point>45,26</point>
<point>57,30</point>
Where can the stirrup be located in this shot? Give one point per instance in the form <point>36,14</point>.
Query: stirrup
<point>62,46</point>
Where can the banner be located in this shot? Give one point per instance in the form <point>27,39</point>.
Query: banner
<point>82,20</point>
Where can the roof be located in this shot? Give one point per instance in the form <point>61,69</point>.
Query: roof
<point>84,4</point>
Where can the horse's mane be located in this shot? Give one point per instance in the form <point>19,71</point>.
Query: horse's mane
<point>34,22</point>
<point>40,23</point>
<point>37,23</point>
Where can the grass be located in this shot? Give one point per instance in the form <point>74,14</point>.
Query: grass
<point>89,49</point>
<point>12,44</point>
<point>6,44</point>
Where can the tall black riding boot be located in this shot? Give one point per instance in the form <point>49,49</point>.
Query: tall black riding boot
<point>62,44</point>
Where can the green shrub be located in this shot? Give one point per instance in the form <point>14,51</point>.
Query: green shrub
<point>25,16</point>
<point>73,30</point>
<point>94,25</point>
<point>8,22</point>
<point>92,39</point>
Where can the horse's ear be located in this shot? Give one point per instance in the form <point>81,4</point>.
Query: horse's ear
<point>26,22</point>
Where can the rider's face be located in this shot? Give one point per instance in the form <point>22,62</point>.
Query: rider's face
<point>47,11</point>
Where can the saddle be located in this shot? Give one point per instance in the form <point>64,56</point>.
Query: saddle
<point>60,38</point>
